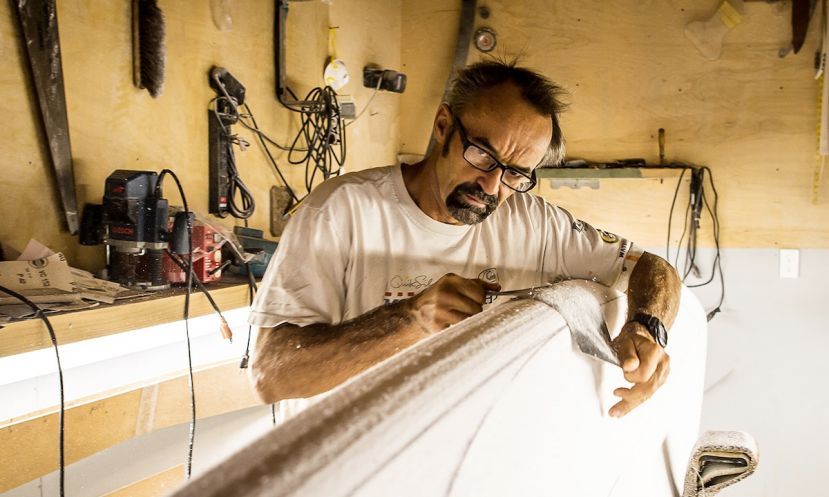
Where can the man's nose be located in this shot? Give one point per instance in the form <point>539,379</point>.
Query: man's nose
<point>491,181</point>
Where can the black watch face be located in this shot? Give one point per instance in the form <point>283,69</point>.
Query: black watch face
<point>661,335</point>
<point>655,328</point>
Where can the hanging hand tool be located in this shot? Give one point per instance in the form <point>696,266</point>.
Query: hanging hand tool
<point>802,11</point>
<point>38,21</point>
<point>149,54</point>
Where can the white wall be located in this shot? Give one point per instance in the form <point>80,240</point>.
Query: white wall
<point>767,368</point>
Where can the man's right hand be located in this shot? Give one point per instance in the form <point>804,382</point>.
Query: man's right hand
<point>449,300</point>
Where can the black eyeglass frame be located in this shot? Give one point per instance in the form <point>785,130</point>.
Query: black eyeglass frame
<point>495,162</point>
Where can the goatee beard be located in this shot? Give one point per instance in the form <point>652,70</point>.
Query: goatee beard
<point>466,213</point>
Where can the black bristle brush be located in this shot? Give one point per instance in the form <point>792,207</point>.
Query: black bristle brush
<point>148,53</point>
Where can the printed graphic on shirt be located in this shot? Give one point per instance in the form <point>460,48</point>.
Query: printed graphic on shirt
<point>630,256</point>
<point>392,297</point>
<point>404,286</point>
<point>624,248</point>
<point>490,275</point>
<point>624,251</point>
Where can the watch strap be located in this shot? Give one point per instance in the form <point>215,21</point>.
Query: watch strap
<point>654,326</point>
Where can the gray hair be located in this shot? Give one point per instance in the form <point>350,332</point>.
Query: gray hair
<point>538,91</point>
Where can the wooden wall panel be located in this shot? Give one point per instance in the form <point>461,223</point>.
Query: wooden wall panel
<point>153,486</point>
<point>109,418</point>
<point>750,115</point>
<point>113,125</point>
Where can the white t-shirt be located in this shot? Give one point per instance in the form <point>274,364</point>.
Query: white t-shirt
<point>360,241</point>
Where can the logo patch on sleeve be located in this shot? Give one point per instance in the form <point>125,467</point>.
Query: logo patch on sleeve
<point>608,236</point>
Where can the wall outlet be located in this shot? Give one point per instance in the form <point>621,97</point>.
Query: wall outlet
<point>789,263</point>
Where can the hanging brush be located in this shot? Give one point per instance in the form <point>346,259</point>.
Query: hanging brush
<point>148,53</point>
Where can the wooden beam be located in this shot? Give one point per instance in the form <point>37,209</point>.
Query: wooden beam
<point>31,334</point>
<point>608,172</point>
<point>95,424</point>
<point>153,486</point>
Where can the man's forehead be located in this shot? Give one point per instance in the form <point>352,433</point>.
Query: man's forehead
<point>509,127</point>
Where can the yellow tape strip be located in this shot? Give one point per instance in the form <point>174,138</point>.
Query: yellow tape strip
<point>729,15</point>
<point>332,41</point>
<point>820,159</point>
<point>817,178</point>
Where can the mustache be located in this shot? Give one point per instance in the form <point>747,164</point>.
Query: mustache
<point>477,192</point>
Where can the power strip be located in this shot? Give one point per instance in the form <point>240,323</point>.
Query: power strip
<point>219,122</point>
<point>218,156</point>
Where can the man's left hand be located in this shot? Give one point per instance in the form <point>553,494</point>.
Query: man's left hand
<point>644,363</point>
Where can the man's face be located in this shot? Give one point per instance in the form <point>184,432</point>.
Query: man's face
<point>502,124</point>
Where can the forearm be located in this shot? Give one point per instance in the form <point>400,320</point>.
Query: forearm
<point>654,289</point>
<point>293,361</point>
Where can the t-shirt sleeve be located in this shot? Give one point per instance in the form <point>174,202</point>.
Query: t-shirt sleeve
<point>305,279</point>
<point>580,251</point>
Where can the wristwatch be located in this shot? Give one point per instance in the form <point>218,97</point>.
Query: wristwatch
<point>654,326</point>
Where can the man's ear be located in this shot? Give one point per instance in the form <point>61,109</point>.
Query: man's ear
<point>442,124</point>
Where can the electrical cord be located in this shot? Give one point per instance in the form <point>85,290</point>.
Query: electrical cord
<point>321,128</point>
<point>245,208</point>
<point>251,293</point>
<point>189,282</point>
<point>254,127</point>
<point>246,356</point>
<point>671,215</point>
<point>261,137</point>
<point>225,327</point>
<point>53,337</point>
<point>697,200</point>
<point>368,104</point>
<point>718,258</point>
<point>321,137</point>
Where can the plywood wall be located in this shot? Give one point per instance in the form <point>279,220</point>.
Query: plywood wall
<point>629,69</point>
<point>115,126</point>
<point>750,115</point>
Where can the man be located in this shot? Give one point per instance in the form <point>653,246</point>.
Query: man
<point>376,260</point>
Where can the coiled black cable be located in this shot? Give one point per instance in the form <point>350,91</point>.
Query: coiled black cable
<point>244,209</point>
<point>321,137</point>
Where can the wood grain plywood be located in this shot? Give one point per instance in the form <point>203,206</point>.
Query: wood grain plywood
<point>153,486</point>
<point>92,425</point>
<point>114,125</point>
<point>89,428</point>
<point>629,69</point>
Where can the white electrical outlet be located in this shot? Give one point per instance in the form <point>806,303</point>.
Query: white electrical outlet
<point>789,263</point>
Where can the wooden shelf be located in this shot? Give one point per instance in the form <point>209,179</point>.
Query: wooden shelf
<point>647,172</point>
<point>164,307</point>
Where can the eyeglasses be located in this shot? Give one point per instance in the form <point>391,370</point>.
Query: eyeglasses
<point>482,160</point>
